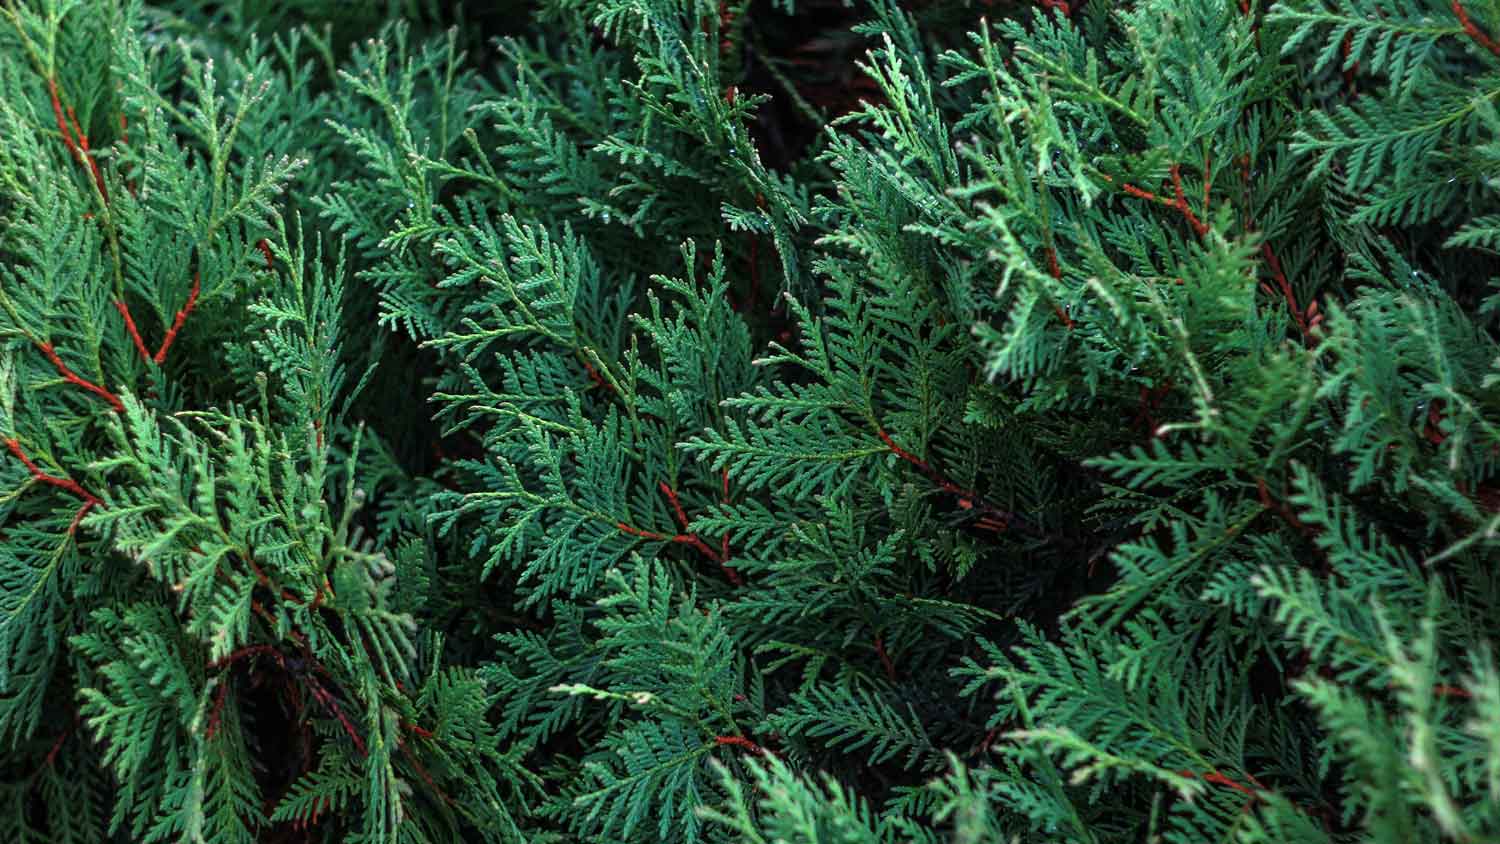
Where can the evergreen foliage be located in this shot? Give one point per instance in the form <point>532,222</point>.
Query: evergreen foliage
<point>750,421</point>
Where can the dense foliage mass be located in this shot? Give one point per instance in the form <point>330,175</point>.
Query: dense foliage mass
<point>750,421</point>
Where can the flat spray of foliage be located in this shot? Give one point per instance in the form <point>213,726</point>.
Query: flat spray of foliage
<point>775,421</point>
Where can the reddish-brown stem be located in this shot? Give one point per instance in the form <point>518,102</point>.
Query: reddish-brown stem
<point>991,518</point>
<point>1281,509</point>
<point>57,746</point>
<point>694,539</point>
<point>314,816</point>
<point>1432,430</point>
<point>178,320</point>
<point>671,495</point>
<point>72,378</point>
<point>690,539</point>
<point>681,538</point>
<point>1216,778</point>
<point>417,730</point>
<point>78,516</point>
<point>644,534</point>
<point>1150,401</point>
<point>596,377</point>
<point>422,772</point>
<point>741,742</point>
<point>1274,265</point>
<point>221,696</point>
<point>135,334</point>
<point>1056,270</point>
<point>78,137</point>
<point>1208,180</point>
<point>726,22</point>
<point>265,249</point>
<point>885,658</point>
<point>1251,792</point>
<point>79,146</point>
<point>1472,29</point>
<point>241,653</point>
<point>89,499</point>
<point>1180,202</point>
<point>332,706</point>
<point>697,542</point>
<point>322,592</point>
<point>265,580</point>
<point>1445,690</point>
<point>57,112</point>
<point>88,155</point>
<point>1060,5</point>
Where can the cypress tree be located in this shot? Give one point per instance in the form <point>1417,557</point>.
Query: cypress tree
<point>749,421</point>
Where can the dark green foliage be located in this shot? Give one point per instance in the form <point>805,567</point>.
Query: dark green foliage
<point>682,420</point>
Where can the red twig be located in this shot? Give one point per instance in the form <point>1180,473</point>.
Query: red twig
<point>67,484</point>
<point>135,334</point>
<point>1060,5</point>
<point>1180,202</point>
<point>1056,270</point>
<point>265,580</point>
<point>991,518</point>
<point>726,23</point>
<point>1305,319</point>
<point>332,705</point>
<point>690,539</point>
<point>178,320</point>
<point>885,658</point>
<point>1252,792</point>
<point>740,741</point>
<point>57,746</point>
<point>596,377</point>
<point>671,495</point>
<point>265,249</point>
<point>644,534</point>
<point>241,653</point>
<point>682,539</point>
<point>314,816</point>
<point>1281,509</point>
<point>310,682</point>
<point>38,475</point>
<point>1217,778</point>
<point>1472,29</point>
<point>72,378</point>
<point>57,112</point>
<point>1151,402</point>
<point>422,772</point>
<point>1274,265</point>
<point>215,715</point>
<point>1208,180</point>
<point>79,146</point>
<point>417,730</point>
